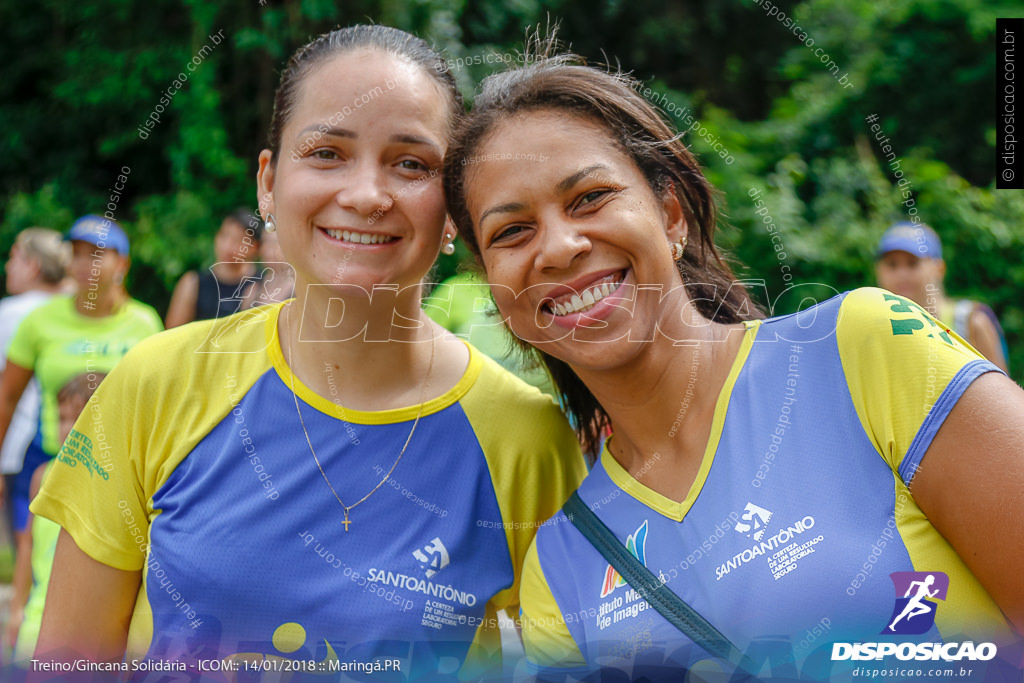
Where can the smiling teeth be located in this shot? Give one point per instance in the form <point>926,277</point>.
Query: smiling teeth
<point>579,303</point>
<point>357,237</point>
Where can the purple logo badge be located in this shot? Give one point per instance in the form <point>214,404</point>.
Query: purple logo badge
<point>914,614</point>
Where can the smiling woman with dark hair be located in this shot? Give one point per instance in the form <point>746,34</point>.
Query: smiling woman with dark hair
<point>756,466</point>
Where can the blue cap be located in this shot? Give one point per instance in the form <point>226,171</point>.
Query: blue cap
<point>100,232</point>
<point>914,238</point>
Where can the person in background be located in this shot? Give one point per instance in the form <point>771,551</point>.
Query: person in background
<point>462,304</point>
<point>35,270</point>
<point>70,334</point>
<point>909,263</point>
<point>219,291</point>
<point>276,282</point>
<point>34,558</point>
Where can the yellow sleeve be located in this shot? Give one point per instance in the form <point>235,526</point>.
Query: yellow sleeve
<point>905,371</point>
<point>533,455</point>
<point>145,417</point>
<point>546,637</point>
<point>94,489</point>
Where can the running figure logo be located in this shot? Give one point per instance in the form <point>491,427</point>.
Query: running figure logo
<point>914,614</point>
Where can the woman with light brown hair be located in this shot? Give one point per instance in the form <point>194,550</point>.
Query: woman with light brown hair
<point>35,271</point>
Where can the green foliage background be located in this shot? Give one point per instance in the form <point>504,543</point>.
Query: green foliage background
<point>81,78</point>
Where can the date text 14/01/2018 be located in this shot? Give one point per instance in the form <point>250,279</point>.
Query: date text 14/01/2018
<point>271,663</point>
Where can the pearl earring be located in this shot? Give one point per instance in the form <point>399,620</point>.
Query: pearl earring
<point>448,247</point>
<point>270,225</point>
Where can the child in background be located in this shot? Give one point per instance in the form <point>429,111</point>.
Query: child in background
<point>36,549</point>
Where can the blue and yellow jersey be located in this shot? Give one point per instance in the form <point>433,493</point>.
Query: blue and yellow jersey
<point>799,513</point>
<point>190,464</point>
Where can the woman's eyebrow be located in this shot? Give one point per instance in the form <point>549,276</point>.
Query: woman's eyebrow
<point>578,176</point>
<point>403,138</point>
<point>410,139</point>
<point>510,207</point>
<point>563,186</point>
<point>336,132</point>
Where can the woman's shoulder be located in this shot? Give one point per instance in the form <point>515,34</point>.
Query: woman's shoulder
<point>231,344</point>
<point>856,313</point>
<point>25,302</point>
<point>521,423</point>
<point>875,303</point>
<point>874,317</point>
<point>15,308</point>
<point>49,319</point>
<point>65,303</point>
<point>140,312</point>
<point>501,387</point>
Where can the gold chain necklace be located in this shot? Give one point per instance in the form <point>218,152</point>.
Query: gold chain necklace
<point>423,393</point>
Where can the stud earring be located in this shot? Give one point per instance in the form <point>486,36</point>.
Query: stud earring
<point>270,225</point>
<point>678,248</point>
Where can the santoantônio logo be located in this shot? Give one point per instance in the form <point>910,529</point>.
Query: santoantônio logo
<point>753,522</point>
<point>435,557</point>
<point>636,544</point>
<point>914,614</point>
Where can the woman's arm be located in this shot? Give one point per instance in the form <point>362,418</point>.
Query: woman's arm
<point>12,386</point>
<point>183,301</point>
<point>88,609</point>
<point>970,486</point>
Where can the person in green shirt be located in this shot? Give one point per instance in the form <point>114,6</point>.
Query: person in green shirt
<point>462,304</point>
<point>72,334</point>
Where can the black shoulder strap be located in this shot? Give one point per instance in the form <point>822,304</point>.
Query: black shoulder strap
<point>651,589</point>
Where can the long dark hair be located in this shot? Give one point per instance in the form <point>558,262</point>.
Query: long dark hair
<point>562,82</point>
<point>339,41</point>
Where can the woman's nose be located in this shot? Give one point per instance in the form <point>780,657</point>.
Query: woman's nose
<point>560,243</point>
<point>365,191</point>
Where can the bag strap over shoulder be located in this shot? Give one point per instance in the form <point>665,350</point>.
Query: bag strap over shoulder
<point>650,588</point>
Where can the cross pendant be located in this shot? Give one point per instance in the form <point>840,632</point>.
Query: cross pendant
<point>346,522</point>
